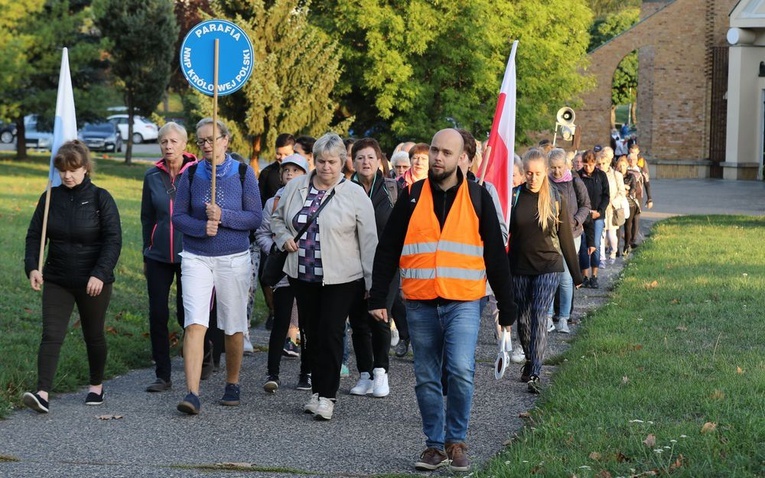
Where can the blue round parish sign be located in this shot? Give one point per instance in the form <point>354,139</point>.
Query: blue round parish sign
<point>235,57</point>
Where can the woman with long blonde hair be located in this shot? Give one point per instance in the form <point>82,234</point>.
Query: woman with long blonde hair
<point>540,238</point>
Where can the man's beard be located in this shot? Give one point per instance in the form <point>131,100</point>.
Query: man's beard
<point>440,177</point>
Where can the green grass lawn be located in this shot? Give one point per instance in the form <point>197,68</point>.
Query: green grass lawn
<point>21,184</point>
<point>669,377</point>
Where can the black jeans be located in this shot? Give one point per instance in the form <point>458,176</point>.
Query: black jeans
<point>159,279</point>
<point>323,309</point>
<point>371,338</point>
<point>631,226</point>
<point>57,305</point>
<point>397,308</point>
<point>283,300</point>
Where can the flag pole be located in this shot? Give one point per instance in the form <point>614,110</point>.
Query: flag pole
<point>44,226</point>
<point>215,120</point>
<point>64,129</point>
<point>485,164</point>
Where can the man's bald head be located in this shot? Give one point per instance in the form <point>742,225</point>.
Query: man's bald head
<point>446,149</point>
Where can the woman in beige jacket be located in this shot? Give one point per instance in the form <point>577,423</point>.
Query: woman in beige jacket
<point>329,263</point>
<point>617,195</point>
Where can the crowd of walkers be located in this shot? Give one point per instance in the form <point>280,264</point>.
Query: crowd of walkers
<point>405,249</point>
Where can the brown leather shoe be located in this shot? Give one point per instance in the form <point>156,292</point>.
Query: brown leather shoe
<point>431,459</point>
<point>457,454</point>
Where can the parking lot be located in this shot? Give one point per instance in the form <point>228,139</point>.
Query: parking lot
<point>149,150</point>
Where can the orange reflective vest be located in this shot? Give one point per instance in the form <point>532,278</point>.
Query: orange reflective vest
<point>446,263</point>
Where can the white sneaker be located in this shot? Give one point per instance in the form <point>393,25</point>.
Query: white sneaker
<point>518,356</point>
<point>364,386</point>
<point>312,404</point>
<point>550,324</point>
<point>248,349</point>
<point>380,384</point>
<point>562,326</point>
<point>394,338</point>
<point>325,409</point>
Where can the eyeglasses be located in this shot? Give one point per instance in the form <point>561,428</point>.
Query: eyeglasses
<point>204,141</point>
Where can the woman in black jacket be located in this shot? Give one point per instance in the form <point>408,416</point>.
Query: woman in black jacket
<point>85,239</point>
<point>596,182</point>
<point>371,338</point>
<point>541,240</point>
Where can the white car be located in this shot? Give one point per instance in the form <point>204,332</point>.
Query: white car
<point>36,139</point>
<point>143,129</point>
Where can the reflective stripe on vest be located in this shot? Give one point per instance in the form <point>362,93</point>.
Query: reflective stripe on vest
<point>444,263</point>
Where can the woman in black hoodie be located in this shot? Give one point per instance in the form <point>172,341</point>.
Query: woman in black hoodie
<point>84,243</point>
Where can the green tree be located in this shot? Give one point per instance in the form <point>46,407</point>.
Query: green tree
<point>141,36</point>
<point>603,8</point>
<point>295,71</point>
<point>32,35</point>
<point>415,66</point>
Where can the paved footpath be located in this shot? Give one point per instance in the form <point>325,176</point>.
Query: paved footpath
<point>268,435</point>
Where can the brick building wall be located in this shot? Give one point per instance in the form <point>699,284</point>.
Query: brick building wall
<point>674,40</point>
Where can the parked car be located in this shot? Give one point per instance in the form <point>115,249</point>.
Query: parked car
<point>36,139</point>
<point>143,129</point>
<point>101,137</point>
<point>7,132</point>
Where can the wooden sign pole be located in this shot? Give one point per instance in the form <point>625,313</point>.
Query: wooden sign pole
<point>215,121</point>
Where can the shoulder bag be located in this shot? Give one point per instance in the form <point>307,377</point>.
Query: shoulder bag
<point>273,269</point>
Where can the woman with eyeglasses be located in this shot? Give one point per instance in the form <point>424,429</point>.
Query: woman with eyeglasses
<point>418,157</point>
<point>216,254</point>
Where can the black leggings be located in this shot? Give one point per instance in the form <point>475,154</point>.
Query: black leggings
<point>631,226</point>
<point>284,298</point>
<point>57,306</point>
<point>159,280</point>
<point>371,338</point>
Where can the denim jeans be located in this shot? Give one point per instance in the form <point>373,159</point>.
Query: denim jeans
<point>586,260</point>
<point>565,294</point>
<point>444,334</point>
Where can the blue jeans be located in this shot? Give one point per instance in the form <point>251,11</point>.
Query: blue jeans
<point>592,260</point>
<point>565,294</point>
<point>445,335</point>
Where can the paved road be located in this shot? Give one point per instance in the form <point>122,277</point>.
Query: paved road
<point>366,437</point>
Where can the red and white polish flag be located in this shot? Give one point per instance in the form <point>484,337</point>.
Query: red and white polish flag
<point>499,170</point>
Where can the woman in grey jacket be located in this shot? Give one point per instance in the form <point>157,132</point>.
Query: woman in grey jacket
<point>329,263</point>
<point>578,201</point>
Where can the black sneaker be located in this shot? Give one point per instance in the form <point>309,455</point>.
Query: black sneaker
<point>159,385</point>
<point>95,399</point>
<point>35,402</point>
<point>190,405</point>
<point>402,348</point>
<point>304,382</point>
<point>230,395</point>
<point>586,283</point>
<point>526,371</point>
<point>272,384</point>
<point>594,283</point>
<point>535,384</point>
